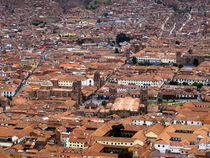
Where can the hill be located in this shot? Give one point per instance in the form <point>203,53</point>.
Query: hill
<point>86,4</point>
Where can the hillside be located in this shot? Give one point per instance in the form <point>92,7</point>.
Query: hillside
<point>88,4</point>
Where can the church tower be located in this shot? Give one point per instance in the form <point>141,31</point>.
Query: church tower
<point>113,94</point>
<point>97,80</point>
<point>178,58</point>
<point>144,100</point>
<point>76,92</point>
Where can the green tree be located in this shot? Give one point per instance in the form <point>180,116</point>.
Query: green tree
<point>116,129</point>
<point>125,153</point>
<point>36,22</point>
<point>122,38</point>
<point>159,2</point>
<point>163,109</point>
<point>105,15</point>
<point>174,64</point>
<point>173,83</point>
<point>185,83</point>
<point>10,98</point>
<point>196,62</point>
<point>116,50</point>
<point>99,21</point>
<point>198,85</point>
<point>160,100</point>
<point>195,84</point>
<point>190,51</point>
<point>104,103</point>
<point>177,42</point>
<point>80,41</point>
<point>134,60</point>
<point>180,66</point>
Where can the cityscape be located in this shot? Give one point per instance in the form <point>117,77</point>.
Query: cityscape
<point>104,79</point>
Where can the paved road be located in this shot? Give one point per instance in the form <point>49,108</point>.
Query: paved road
<point>23,82</point>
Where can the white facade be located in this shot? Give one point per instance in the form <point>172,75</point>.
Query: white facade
<point>141,83</point>
<point>162,147</point>
<point>168,60</point>
<point>8,93</point>
<point>204,146</point>
<point>88,82</point>
<point>142,122</point>
<point>2,73</point>
<point>8,143</point>
<point>172,148</point>
<point>183,122</point>
<point>148,59</point>
<point>75,144</point>
<point>190,81</point>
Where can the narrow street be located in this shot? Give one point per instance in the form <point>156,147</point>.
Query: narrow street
<point>163,26</point>
<point>172,29</point>
<point>23,82</point>
<point>189,18</point>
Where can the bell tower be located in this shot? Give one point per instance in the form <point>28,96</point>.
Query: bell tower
<point>144,100</point>
<point>76,92</point>
<point>97,79</point>
<point>113,94</point>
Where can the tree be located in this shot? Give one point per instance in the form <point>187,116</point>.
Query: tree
<point>98,21</point>
<point>10,98</point>
<point>104,103</point>
<point>145,63</point>
<point>116,50</point>
<point>105,15</point>
<point>185,83</point>
<point>196,62</point>
<point>173,83</point>
<point>177,42</point>
<point>198,85</point>
<point>159,2</point>
<point>116,129</point>
<point>195,84</point>
<point>80,41</point>
<point>122,38</point>
<point>174,64</point>
<point>160,100</point>
<point>134,60</point>
<point>163,109</point>
<point>180,66</point>
<point>36,22</point>
<point>125,153</point>
<point>190,51</point>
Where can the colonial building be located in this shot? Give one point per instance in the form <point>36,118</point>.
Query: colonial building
<point>125,107</point>
<point>49,91</point>
<point>190,59</point>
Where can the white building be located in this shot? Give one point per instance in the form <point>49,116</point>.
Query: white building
<point>142,81</point>
<point>182,138</point>
<point>9,92</point>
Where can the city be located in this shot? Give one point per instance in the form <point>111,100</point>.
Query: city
<point>104,79</point>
